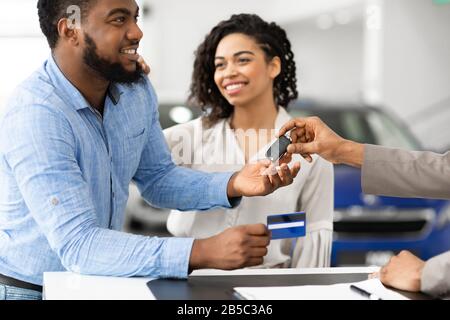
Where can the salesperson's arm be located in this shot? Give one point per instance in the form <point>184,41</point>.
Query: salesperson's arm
<point>385,171</point>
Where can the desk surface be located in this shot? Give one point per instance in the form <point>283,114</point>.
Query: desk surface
<point>202,285</point>
<point>220,286</point>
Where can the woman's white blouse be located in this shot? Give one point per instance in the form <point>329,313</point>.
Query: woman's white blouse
<point>216,149</point>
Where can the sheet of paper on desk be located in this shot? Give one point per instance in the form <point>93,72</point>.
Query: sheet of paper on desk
<point>339,291</point>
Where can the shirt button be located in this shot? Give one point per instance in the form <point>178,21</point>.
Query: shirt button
<point>55,201</point>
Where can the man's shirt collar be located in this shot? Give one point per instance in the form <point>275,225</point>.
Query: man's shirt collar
<point>70,93</point>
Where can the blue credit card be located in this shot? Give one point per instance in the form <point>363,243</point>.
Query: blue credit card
<point>284,226</point>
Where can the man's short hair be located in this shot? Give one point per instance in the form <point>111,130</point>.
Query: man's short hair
<point>51,11</point>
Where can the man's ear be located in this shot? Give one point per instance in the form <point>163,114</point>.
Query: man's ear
<point>275,67</point>
<point>68,33</point>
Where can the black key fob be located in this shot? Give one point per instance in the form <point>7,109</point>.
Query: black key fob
<point>278,149</point>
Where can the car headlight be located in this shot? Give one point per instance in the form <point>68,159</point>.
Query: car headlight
<point>180,114</point>
<point>444,217</point>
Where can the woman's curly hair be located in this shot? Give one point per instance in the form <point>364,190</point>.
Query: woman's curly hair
<point>272,40</point>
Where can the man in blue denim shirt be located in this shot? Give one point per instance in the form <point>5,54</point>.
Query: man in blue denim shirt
<point>73,137</point>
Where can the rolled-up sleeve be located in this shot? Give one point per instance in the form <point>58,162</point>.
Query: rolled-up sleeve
<point>39,147</point>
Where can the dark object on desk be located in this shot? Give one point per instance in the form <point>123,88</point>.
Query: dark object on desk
<point>221,287</point>
<point>364,293</point>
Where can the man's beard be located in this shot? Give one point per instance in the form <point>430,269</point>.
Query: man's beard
<point>113,72</point>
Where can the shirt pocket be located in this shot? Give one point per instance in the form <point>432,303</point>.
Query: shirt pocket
<point>135,134</point>
<point>132,149</point>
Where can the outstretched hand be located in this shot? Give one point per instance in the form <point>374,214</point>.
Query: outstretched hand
<point>312,136</point>
<point>257,180</point>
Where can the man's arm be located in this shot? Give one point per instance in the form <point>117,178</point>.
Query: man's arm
<point>39,147</point>
<point>166,185</point>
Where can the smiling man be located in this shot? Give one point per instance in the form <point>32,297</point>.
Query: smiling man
<point>73,137</point>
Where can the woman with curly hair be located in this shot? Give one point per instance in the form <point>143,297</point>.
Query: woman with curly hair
<point>244,79</point>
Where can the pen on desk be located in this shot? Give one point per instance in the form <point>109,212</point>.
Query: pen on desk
<point>236,295</point>
<point>364,293</point>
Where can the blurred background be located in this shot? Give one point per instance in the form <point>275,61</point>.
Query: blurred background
<point>377,71</point>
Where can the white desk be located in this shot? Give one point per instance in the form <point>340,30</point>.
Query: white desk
<point>70,286</point>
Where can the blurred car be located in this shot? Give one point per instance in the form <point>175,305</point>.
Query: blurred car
<point>370,229</point>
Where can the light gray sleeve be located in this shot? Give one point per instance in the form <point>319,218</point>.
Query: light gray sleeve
<point>402,173</point>
<point>436,275</point>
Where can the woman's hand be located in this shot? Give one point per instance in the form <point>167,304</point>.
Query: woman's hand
<point>145,67</point>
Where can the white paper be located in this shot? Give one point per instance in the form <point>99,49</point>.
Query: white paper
<point>340,291</point>
<point>258,271</point>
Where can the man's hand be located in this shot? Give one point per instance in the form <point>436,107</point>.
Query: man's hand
<point>312,136</point>
<point>255,180</point>
<point>238,247</point>
<point>145,67</point>
<point>402,272</point>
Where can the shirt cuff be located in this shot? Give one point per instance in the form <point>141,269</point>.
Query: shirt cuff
<point>368,175</point>
<point>175,258</point>
<point>218,191</point>
<point>433,280</point>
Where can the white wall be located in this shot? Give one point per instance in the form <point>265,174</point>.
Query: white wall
<point>175,29</point>
<point>19,17</point>
<point>416,54</point>
<point>416,66</point>
<point>295,10</point>
<point>23,47</point>
<point>329,62</point>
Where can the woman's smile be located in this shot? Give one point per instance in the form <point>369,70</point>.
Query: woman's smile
<point>234,88</point>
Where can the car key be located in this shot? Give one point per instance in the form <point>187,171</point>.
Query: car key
<point>278,149</point>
